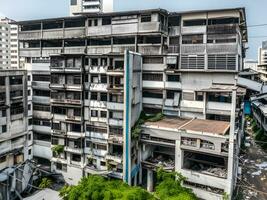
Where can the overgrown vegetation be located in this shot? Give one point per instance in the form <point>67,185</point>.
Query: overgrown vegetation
<point>95,187</point>
<point>45,183</point>
<point>170,187</point>
<point>58,149</point>
<point>98,188</point>
<point>136,130</point>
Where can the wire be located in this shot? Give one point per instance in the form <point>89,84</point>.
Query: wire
<point>256,25</point>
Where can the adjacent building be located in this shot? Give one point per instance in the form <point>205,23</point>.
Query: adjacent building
<point>107,68</point>
<point>78,7</point>
<point>14,137</point>
<point>9,58</point>
<point>262,62</point>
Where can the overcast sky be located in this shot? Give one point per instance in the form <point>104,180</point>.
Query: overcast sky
<point>256,11</point>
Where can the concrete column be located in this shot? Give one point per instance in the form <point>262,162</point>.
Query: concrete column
<point>150,180</point>
<point>178,155</point>
<point>231,157</point>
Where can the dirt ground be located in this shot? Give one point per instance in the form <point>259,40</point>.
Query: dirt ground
<point>253,184</point>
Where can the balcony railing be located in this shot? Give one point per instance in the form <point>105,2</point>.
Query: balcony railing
<point>222,29</point>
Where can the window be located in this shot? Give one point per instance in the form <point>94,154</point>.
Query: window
<point>4,129</point>
<point>103,97</point>
<point>153,60</point>
<point>173,78</point>
<point>152,77</point>
<point>174,21</point>
<point>218,21</point>
<point>2,159</point>
<point>145,18</point>
<point>61,167</point>
<point>97,129</point>
<point>42,93</point>
<point>93,95</point>
<point>29,106</point>
<point>99,146</point>
<point>15,80</point>
<point>44,78</point>
<point>29,152</point>
<point>103,114</point>
<point>103,78</point>
<point>94,78</point>
<point>195,22</point>
<point>76,158</point>
<point>2,81</point>
<point>3,113</point>
<point>192,39</point>
<point>102,163</point>
<point>152,94</point>
<point>192,62</point>
<point>94,113</point>
<point>199,96</point>
<point>189,96</point>
<point>222,62</point>
<point>106,21</point>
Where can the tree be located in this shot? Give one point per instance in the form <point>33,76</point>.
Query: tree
<point>170,187</point>
<point>96,187</point>
<point>45,183</point>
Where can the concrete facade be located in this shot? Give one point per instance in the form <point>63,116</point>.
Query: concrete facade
<point>14,137</point>
<point>188,69</point>
<point>9,58</point>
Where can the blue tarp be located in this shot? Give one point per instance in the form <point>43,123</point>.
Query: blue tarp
<point>247,107</point>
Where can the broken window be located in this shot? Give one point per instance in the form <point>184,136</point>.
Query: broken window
<point>99,42</point>
<point>145,18</point>
<point>153,94</point>
<point>199,96</point>
<point>123,40</point>
<point>195,22</point>
<point>207,145</point>
<point>212,165</point>
<point>173,78</point>
<point>189,141</point>
<point>53,25</point>
<point>57,62</point>
<point>43,78</point>
<point>74,23</point>
<point>74,43</point>
<point>15,80</point>
<point>153,60</point>
<point>192,39</point>
<point>106,21</point>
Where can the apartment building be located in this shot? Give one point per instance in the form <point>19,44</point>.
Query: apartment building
<point>185,66</point>
<point>14,137</point>
<point>262,62</point>
<point>9,58</point>
<point>78,7</point>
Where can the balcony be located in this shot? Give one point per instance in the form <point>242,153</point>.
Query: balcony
<point>72,149</point>
<point>193,48</point>
<point>149,49</point>
<point>193,29</point>
<point>153,84</point>
<point>41,114</point>
<point>115,106</point>
<point>154,67</point>
<point>149,27</point>
<point>231,48</point>
<point>97,135</point>
<point>66,101</point>
<point>155,101</point>
<point>114,157</point>
<point>42,129</point>
<point>174,30</point>
<point>40,85</point>
<point>173,49</point>
<point>115,139</point>
<point>41,100</point>
<point>26,35</point>
<point>98,152</point>
<point>74,50</point>
<point>219,108</point>
<point>115,87</point>
<point>53,34</point>
<point>98,69</point>
<point>192,106</point>
<point>98,87</point>
<point>73,87</point>
<point>47,51</point>
<point>222,29</point>
<point>122,48</point>
<point>18,144</point>
<point>57,86</point>
<point>173,85</point>
<point>98,119</point>
<point>30,52</point>
<point>75,134</point>
<point>115,122</point>
<point>74,32</point>
<point>115,71</point>
<point>99,49</point>
<point>99,30</point>
<point>97,104</point>
<point>122,27</point>
<point>73,118</point>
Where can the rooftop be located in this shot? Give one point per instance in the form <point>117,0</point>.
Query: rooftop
<point>192,125</point>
